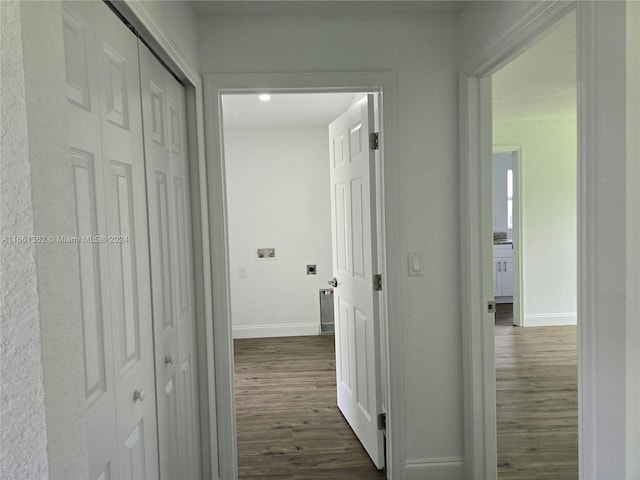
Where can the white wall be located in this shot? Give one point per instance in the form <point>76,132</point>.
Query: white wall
<point>549,215</point>
<point>178,23</point>
<point>483,24</point>
<point>278,196</point>
<point>421,50</point>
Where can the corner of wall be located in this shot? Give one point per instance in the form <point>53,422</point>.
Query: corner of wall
<point>24,430</point>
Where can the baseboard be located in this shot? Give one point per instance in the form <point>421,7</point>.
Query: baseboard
<point>435,469</point>
<point>550,319</point>
<point>277,330</point>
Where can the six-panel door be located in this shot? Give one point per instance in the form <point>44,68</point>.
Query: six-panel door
<point>354,263</point>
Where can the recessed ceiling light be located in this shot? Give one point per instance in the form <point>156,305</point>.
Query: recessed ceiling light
<point>265,97</point>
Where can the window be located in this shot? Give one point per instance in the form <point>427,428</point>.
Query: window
<point>510,199</point>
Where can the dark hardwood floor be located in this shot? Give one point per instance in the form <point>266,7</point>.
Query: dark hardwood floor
<point>537,402</point>
<point>289,427</point>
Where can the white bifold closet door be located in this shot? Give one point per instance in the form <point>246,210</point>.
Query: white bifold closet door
<point>167,171</point>
<point>133,236</point>
<point>107,165</point>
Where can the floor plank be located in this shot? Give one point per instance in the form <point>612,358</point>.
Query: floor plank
<point>537,401</point>
<point>289,427</point>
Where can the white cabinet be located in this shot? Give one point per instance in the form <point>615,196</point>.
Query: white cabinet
<point>503,273</point>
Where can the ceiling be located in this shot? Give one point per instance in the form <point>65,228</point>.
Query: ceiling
<point>284,110</point>
<point>323,7</point>
<point>540,83</point>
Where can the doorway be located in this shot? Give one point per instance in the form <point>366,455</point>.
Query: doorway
<point>479,316</point>
<point>534,108</point>
<point>275,195</point>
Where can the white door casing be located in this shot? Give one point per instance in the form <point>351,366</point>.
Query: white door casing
<point>353,218</point>
<point>108,170</point>
<point>163,109</point>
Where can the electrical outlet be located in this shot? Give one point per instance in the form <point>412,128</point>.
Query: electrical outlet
<point>266,253</point>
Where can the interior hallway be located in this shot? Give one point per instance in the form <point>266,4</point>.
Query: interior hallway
<point>288,424</point>
<point>537,400</point>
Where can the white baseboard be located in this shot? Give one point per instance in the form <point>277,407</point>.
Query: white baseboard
<point>435,469</point>
<point>276,330</point>
<point>550,319</point>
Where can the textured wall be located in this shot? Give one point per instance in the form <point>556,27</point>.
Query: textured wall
<point>24,439</point>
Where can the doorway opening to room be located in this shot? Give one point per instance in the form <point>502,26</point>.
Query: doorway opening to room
<point>301,230</point>
<point>534,221</point>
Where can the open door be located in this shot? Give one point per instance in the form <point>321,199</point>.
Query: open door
<point>353,223</point>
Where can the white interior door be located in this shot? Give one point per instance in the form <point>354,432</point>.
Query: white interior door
<point>107,160</point>
<point>353,219</point>
<point>163,109</point>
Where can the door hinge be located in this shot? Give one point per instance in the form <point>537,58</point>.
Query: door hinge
<point>491,307</point>
<point>373,141</point>
<point>382,421</point>
<point>377,282</point>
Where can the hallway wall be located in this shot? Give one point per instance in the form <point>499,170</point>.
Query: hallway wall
<point>421,50</point>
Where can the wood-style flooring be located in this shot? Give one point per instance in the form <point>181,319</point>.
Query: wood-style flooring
<point>289,427</point>
<point>537,401</point>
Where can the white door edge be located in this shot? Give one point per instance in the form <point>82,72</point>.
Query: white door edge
<point>215,85</point>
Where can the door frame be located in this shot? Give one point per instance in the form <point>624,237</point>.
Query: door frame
<point>383,83</point>
<point>518,246</point>
<point>476,148</point>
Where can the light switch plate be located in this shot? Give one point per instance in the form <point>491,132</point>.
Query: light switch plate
<point>415,264</point>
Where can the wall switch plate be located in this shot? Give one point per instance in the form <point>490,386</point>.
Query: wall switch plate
<point>242,272</point>
<point>415,264</point>
<point>311,270</point>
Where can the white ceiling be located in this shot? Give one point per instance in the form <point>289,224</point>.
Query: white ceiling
<point>284,110</point>
<point>540,83</point>
<point>323,7</point>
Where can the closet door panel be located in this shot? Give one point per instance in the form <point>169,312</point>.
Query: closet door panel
<point>126,239</point>
<point>86,170</point>
<point>163,107</point>
<point>183,274</point>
